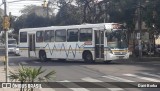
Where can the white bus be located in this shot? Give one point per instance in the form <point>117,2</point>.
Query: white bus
<point>90,42</point>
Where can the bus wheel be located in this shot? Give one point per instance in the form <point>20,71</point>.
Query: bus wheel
<point>88,57</point>
<point>42,56</point>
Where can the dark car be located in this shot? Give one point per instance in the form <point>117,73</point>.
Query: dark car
<point>157,50</point>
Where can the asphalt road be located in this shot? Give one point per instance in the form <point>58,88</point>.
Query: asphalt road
<point>79,71</point>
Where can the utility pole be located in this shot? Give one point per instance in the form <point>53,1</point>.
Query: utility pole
<point>139,29</point>
<point>5,27</point>
<point>46,7</point>
<point>48,10</point>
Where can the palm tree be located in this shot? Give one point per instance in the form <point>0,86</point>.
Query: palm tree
<point>31,75</point>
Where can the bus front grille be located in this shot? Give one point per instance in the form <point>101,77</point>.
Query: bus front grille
<point>120,53</point>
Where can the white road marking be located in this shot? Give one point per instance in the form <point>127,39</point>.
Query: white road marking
<point>44,89</point>
<point>115,89</point>
<point>75,89</point>
<point>150,74</point>
<point>79,89</point>
<point>117,78</point>
<point>63,81</point>
<point>23,63</point>
<point>89,79</point>
<point>143,78</point>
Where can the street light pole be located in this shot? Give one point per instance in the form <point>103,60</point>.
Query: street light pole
<point>139,29</point>
<point>6,40</point>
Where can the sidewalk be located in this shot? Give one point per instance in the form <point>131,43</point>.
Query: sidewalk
<point>3,78</point>
<point>145,59</point>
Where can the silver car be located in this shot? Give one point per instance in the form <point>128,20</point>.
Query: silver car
<point>12,47</point>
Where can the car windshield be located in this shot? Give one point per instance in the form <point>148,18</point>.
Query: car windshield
<point>117,39</point>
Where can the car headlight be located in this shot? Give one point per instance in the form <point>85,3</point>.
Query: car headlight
<point>17,48</point>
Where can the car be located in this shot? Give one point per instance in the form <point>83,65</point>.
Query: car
<point>12,47</point>
<point>17,51</point>
<point>157,49</point>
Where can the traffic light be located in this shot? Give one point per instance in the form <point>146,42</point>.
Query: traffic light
<point>45,3</point>
<point>6,22</point>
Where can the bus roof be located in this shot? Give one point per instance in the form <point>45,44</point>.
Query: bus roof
<point>98,25</point>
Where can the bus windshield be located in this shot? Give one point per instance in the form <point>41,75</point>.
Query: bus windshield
<point>117,39</point>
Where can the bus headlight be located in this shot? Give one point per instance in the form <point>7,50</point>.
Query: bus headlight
<point>109,50</point>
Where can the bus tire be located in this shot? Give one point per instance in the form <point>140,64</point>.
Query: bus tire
<point>42,56</point>
<point>88,57</point>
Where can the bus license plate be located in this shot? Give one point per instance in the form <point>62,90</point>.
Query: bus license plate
<point>120,57</point>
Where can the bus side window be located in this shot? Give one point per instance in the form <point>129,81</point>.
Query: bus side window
<point>60,35</point>
<point>72,35</point>
<point>86,34</point>
<point>39,36</point>
<point>47,36</point>
<point>52,35</point>
<point>23,37</point>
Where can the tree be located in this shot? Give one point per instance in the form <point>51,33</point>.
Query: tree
<point>151,16</point>
<point>28,74</point>
<point>108,11</point>
<point>68,15</point>
<point>32,16</point>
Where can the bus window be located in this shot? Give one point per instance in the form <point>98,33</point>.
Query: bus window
<point>52,35</point>
<point>72,35</point>
<point>47,36</point>
<point>39,36</point>
<point>60,35</point>
<point>23,37</point>
<point>86,34</point>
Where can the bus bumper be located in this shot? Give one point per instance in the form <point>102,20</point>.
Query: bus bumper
<point>116,57</point>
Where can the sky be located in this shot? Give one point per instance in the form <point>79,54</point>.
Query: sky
<point>15,7</point>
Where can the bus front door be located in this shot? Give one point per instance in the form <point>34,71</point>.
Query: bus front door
<point>99,44</point>
<point>31,45</point>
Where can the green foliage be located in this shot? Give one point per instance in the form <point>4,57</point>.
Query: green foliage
<point>68,15</point>
<point>28,74</point>
<point>33,16</point>
<point>151,16</point>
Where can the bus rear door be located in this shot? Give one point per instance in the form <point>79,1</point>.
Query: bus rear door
<point>31,46</point>
<point>99,44</point>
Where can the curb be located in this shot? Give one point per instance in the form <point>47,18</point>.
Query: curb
<point>145,59</point>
